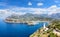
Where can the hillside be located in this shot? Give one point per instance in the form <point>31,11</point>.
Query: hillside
<point>30,17</point>
<point>53,30</point>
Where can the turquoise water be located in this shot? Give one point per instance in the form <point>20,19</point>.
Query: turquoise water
<point>18,30</point>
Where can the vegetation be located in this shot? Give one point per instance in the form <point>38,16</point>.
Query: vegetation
<point>52,35</point>
<point>54,25</point>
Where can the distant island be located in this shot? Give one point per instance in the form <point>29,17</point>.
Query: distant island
<point>29,19</point>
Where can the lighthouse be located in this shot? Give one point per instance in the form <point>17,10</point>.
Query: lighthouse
<point>44,26</point>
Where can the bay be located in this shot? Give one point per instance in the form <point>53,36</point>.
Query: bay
<point>18,30</point>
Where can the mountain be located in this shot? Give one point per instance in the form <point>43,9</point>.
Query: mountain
<point>30,15</point>
<point>56,15</point>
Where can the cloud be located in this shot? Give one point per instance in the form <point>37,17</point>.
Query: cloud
<point>29,3</point>
<point>54,9</point>
<point>39,4</point>
<point>21,11</point>
<point>49,11</point>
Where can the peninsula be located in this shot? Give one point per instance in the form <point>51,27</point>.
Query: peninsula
<point>29,19</point>
<point>52,30</point>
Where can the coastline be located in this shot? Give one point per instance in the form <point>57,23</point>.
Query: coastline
<point>20,21</point>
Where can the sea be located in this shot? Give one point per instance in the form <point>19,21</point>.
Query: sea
<point>18,30</point>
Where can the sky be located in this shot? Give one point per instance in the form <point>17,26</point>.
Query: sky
<point>29,6</point>
<point>29,3</point>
